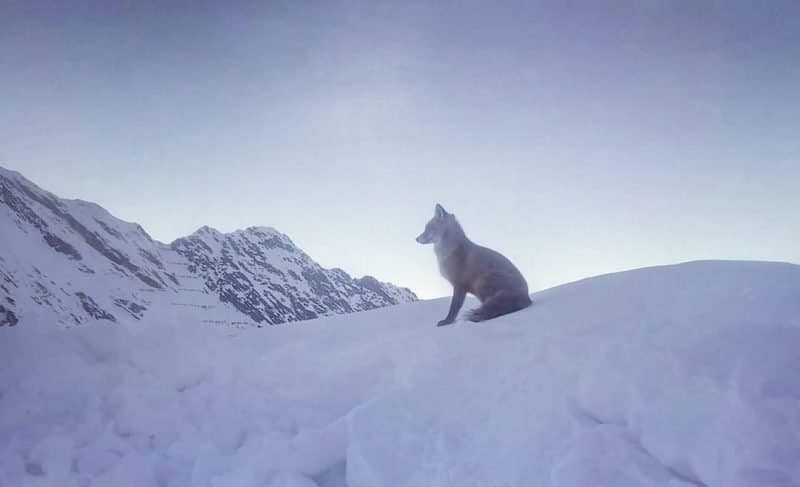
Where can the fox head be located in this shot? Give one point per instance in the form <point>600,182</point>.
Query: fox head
<point>436,229</point>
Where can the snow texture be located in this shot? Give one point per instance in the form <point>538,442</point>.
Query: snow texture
<point>675,376</point>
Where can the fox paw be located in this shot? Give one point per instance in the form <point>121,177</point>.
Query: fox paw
<point>474,316</point>
<point>445,322</point>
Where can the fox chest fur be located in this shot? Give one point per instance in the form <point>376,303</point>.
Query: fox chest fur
<point>477,270</point>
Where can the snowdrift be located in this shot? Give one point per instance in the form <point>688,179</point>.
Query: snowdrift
<point>683,375</point>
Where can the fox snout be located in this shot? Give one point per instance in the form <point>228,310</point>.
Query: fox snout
<point>424,238</point>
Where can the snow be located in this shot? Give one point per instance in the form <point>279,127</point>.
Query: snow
<point>674,376</point>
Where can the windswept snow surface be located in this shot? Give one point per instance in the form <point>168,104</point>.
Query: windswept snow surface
<point>685,375</point>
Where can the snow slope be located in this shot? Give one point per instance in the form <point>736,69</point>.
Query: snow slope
<point>683,375</point>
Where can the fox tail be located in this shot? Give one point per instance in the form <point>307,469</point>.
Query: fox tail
<point>502,303</point>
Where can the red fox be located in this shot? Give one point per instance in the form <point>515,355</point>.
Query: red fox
<point>473,269</point>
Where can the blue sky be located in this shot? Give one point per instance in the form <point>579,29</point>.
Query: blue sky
<point>575,137</point>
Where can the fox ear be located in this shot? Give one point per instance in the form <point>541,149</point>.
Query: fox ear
<point>440,212</point>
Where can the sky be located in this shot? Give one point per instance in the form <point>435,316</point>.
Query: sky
<point>577,138</point>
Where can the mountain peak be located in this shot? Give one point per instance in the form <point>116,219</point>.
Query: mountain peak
<point>256,230</point>
<point>73,261</point>
<point>206,230</point>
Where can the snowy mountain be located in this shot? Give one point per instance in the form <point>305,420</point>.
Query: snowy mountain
<point>71,262</point>
<point>677,376</point>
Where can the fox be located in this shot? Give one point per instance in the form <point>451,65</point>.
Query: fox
<point>471,268</point>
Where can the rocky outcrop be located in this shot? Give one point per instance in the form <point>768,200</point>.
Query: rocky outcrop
<point>7,317</point>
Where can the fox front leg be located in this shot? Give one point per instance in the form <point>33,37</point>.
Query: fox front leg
<point>459,293</point>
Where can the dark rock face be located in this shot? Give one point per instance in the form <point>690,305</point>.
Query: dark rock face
<point>62,246</point>
<point>134,309</point>
<point>73,261</point>
<point>93,309</point>
<point>7,317</point>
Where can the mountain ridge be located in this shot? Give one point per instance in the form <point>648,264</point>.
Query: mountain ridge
<point>72,261</point>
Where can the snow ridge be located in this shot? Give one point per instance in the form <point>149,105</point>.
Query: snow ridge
<point>676,376</point>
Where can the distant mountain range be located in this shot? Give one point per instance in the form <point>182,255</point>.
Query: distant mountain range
<point>71,261</point>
